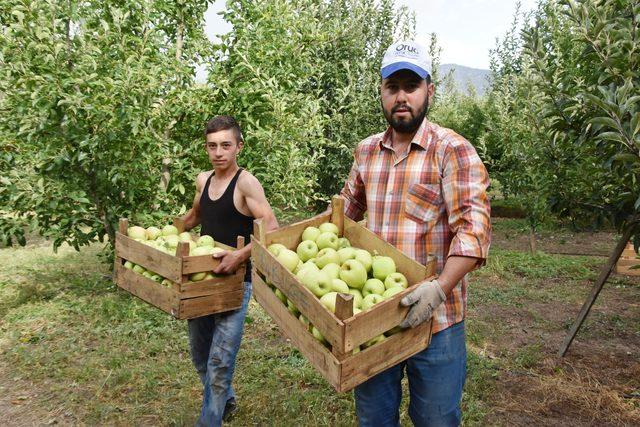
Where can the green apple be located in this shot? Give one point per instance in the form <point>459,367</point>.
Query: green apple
<point>185,236</point>
<point>216,250</point>
<point>340,286</point>
<point>356,350</point>
<point>305,322</point>
<point>327,240</point>
<point>396,279</point>
<point>371,300</point>
<point>196,277</point>
<point>147,274</point>
<point>373,286</point>
<point>343,242</point>
<point>317,335</point>
<point>136,232</point>
<point>306,250</point>
<point>288,258</point>
<point>156,278</point>
<point>353,273</point>
<point>382,266</point>
<point>166,282</point>
<point>292,308</point>
<point>281,296</point>
<point>364,258</point>
<point>201,250</point>
<point>128,264</point>
<point>392,291</point>
<point>205,240</point>
<point>332,269</point>
<point>326,256</point>
<point>310,233</point>
<point>298,267</point>
<point>210,275</point>
<point>329,301</point>
<point>153,232</point>
<point>317,282</point>
<point>374,341</point>
<point>138,269</point>
<point>171,241</point>
<point>276,248</point>
<point>329,227</point>
<point>346,253</point>
<point>169,230</point>
<point>307,266</point>
<point>357,297</point>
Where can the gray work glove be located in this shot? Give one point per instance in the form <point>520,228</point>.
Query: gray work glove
<point>424,301</point>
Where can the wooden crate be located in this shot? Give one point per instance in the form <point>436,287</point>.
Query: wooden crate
<point>628,259</point>
<point>343,330</point>
<point>185,299</point>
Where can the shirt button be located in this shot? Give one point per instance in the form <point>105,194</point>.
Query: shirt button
<point>386,223</point>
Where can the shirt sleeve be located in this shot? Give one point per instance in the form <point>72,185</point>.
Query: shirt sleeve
<point>464,185</point>
<point>354,193</point>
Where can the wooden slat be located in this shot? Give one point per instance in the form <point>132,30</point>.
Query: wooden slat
<point>152,259</point>
<point>361,366</point>
<point>320,357</point>
<point>210,304</point>
<point>195,264</point>
<point>327,323</point>
<point>344,310</point>
<point>362,237</point>
<point>147,290</point>
<point>232,282</point>
<point>290,235</point>
<point>337,213</point>
<point>627,262</point>
<point>628,271</point>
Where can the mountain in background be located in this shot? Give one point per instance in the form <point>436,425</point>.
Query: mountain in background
<point>463,76</point>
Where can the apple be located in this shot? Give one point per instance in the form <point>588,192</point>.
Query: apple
<point>281,296</point>
<point>373,286</point>
<point>292,308</point>
<point>166,282</point>
<point>185,236</point>
<point>332,269</point>
<point>201,250</point>
<point>305,322</point>
<point>353,273</point>
<point>276,248</point>
<point>371,300</point>
<point>137,233</point>
<point>128,264</point>
<point>298,267</point>
<point>396,280</point>
<point>339,286</point>
<point>329,301</point>
<point>382,266</point>
<point>138,269</point>
<point>216,250</point>
<point>329,227</point>
<point>357,297</point>
<point>147,274</point>
<point>317,282</point>
<point>326,256</point>
<point>153,232</point>
<point>210,275</point>
<point>205,240</point>
<point>169,230</point>
<point>343,242</point>
<point>156,278</point>
<point>317,335</point>
<point>356,350</point>
<point>346,253</point>
<point>172,241</point>
<point>364,258</point>
<point>288,258</point>
<point>307,266</point>
<point>306,250</point>
<point>196,277</point>
<point>392,291</point>
<point>374,341</point>
<point>310,233</point>
<point>327,240</point>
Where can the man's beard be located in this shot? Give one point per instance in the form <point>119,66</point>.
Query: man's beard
<point>412,124</point>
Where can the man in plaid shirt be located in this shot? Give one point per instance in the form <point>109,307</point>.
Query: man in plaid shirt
<point>424,189</point>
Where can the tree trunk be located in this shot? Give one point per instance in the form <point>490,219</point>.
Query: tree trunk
<point>532,241</point>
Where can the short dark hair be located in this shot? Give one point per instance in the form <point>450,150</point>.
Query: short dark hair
<point>224,122</point>
<point>428,79</point>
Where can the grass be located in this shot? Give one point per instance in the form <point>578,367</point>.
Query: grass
<point>103,356</point>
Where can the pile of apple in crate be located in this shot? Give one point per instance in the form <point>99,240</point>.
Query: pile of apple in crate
<point>173,270</point>
<point>334,289</point>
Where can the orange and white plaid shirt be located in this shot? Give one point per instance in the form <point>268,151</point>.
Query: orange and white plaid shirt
<point>430,200</point>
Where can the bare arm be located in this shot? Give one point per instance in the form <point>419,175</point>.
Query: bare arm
<point>192,217</point>
<point>454,270</point>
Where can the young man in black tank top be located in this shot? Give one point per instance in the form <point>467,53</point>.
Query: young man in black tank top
<point>227,201</point>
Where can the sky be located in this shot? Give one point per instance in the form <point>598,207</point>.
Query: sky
<point>466,29</point>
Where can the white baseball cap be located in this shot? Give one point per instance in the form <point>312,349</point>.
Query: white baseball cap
<point>405,55</point>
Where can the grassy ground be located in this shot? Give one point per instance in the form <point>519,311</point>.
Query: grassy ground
<point>76,350</point>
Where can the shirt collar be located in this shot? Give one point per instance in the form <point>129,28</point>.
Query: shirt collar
<point>420,139</point>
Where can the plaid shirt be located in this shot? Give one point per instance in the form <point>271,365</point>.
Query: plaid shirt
<point>431,200</point>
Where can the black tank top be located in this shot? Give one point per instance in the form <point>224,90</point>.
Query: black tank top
<point>221,220</point>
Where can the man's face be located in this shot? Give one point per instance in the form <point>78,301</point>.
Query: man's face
<point>405,100</point>
<point>222,148</point>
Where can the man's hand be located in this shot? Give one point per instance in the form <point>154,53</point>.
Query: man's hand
<point>425,300</point>
<point>229,261</point>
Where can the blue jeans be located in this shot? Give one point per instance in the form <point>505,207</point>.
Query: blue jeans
<point>215,340</point>
<point>436,376</point>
